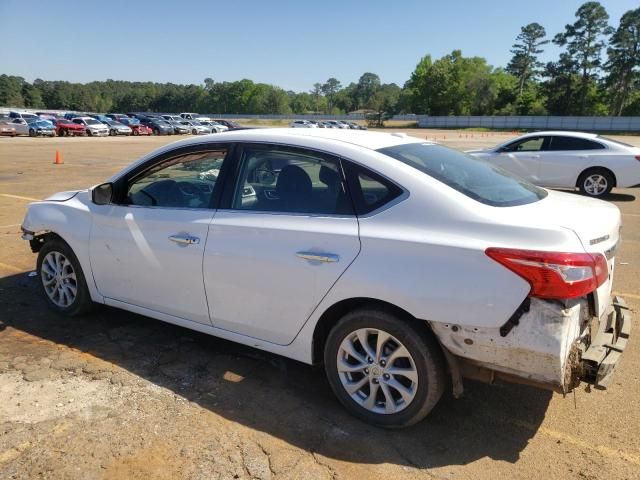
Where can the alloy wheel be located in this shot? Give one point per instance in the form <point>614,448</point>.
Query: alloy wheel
<point>595,184</point>
<point>59,279</point>
<point>377,371</point>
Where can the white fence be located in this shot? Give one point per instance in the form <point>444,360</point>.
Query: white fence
<point>615,124</point>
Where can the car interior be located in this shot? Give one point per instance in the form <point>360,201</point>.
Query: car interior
<point>185,182</point>
<point>276,181</point>
<point>290,182</point>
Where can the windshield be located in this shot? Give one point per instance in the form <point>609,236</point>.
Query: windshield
<point>474,178</point>
<point>91,121</point>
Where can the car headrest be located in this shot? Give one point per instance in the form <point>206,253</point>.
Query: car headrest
<point>329,177</point>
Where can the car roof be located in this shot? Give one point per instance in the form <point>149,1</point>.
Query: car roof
<point>365,139</point>
<point>561,132</point>
<point>300,137</point>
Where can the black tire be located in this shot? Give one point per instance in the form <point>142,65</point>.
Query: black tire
<point>194,132</point>
<point>112,133</point>
<point>586,182</point>
<point>32,132</point>
<point>136,132</point>
<point>62,132</point>
<point>156,131</point>
<point>425,353</point>
<point>89,134</point>
<point>82,302</point>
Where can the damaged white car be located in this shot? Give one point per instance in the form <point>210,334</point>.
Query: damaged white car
<point>402,266</point>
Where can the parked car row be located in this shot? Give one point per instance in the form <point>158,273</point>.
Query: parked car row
<point>112,124</point>
<point>326,124</point>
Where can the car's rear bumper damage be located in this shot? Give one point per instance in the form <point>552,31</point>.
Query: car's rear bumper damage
<point>547,344</point>
<point>609,340</point>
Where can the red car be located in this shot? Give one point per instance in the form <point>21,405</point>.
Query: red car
<point>136,127</point>
<point>65,127</point>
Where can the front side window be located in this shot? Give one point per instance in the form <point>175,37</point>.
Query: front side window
<point>186,181</point>
<point>475,178</point>
<point>534,144</point>
<point>290,180</point>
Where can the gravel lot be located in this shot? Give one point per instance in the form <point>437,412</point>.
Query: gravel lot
<point>117,395</point>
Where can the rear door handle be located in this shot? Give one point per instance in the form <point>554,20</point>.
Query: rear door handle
<point>319,257</point>
<point>184,239</point>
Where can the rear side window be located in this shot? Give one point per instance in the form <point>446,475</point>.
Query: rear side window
<point>369,190</point>
<point>572,143</point>
<point>281,179</point>
<point>474,178</point>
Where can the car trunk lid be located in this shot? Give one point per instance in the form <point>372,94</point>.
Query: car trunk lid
<point>596,223</point>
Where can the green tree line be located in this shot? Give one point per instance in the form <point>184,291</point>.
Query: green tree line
<point>596,73</point>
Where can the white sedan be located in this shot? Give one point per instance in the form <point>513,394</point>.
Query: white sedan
<point>21,126</point>
<point>196,127</point>
<point>401,265</point>
<point>590,162</point>
<point>303,124</point>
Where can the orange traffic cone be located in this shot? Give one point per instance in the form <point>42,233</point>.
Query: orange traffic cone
<point>58,158</point>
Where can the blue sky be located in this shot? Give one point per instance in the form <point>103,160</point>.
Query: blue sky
<point>285,43</point>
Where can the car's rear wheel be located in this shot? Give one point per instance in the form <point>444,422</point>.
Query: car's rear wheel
<point>596,182</point>
<point>384,370</point>
<point>62,279</point>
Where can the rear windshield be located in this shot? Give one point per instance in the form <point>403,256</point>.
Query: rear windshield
<point>475,178</point>
<point>614,141</point>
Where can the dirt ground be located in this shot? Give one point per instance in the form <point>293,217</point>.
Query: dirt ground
<point>115,395</point>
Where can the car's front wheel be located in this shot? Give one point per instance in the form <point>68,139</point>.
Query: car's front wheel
<point>383,369</point>
<point>62,279</point>
<point>596,182</point>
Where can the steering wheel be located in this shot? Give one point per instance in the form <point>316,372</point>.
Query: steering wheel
<point>188,189</point>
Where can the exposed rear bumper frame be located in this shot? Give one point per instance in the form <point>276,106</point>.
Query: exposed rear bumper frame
<point>599,360</point>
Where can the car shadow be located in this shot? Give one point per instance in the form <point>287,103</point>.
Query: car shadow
<point>612,196</point>
<point>280,397</point>
<point>620,197</point>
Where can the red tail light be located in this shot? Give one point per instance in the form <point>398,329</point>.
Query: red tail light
<point>638,157</point>
<point>554,274</point>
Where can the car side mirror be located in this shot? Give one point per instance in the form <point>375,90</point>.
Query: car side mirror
<point>102,194</point>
